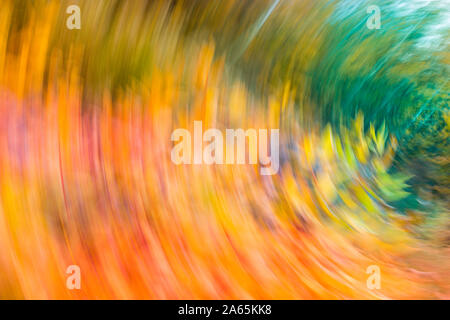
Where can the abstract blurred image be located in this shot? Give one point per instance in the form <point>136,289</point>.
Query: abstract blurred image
<point>224,149</point>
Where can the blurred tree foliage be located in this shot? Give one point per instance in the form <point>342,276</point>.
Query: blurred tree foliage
<point>336,66</point>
